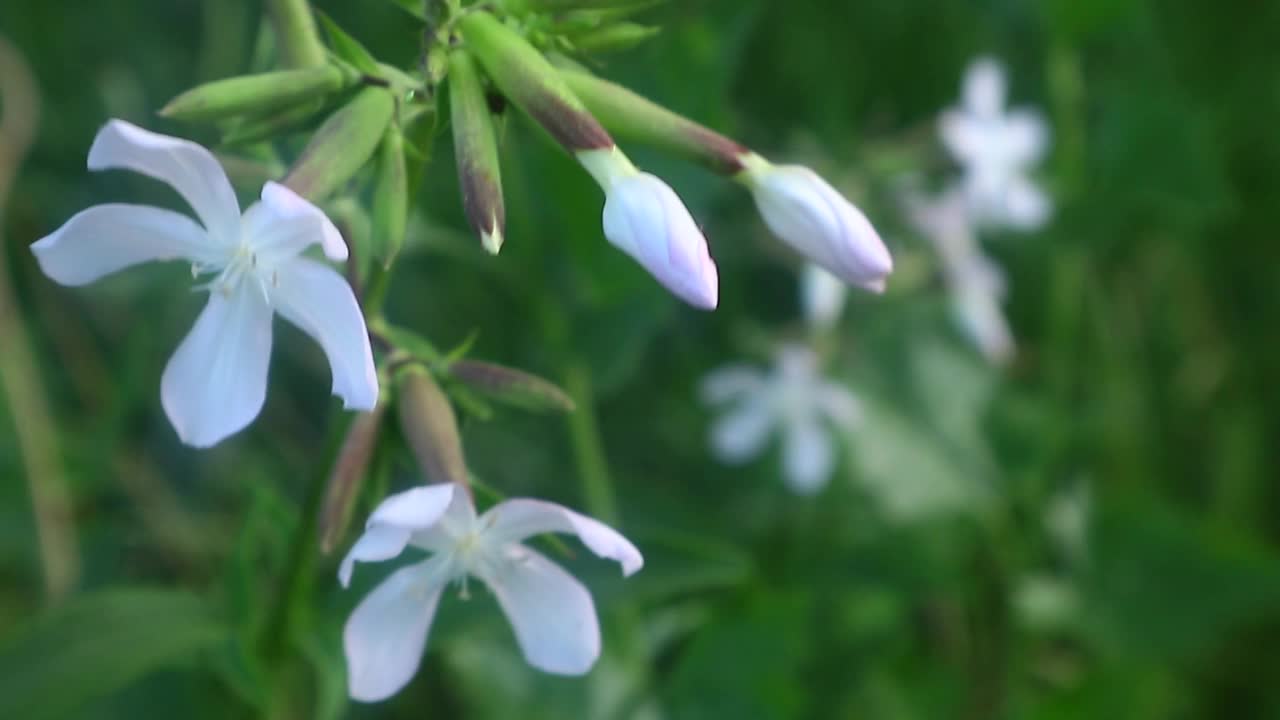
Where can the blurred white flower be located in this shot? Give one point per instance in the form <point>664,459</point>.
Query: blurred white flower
<point>822,297</point>
<point>215,384</point>
<point>975,283</point>
<point>551,612</point>
<point>805,212</point>
<point>997,148</point>
<point>645,218</point>
<point>793,399</point>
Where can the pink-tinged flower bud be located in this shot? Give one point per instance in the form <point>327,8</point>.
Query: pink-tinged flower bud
<point>645,218</point>
<point>805,212</point>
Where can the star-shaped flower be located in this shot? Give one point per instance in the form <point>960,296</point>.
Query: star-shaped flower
<point>552,613</point>
<point>997,148</point>
<point>216,382</point>
<point>793,399</point>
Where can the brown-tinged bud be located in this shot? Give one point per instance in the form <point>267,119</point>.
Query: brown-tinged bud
<point>476,152</point>
<point>390,198</point>
<point>634,117</point>
<point>348,475</point>
<point>529,81</point>
<point>511,386</point>
<point>342,145</point>
<point>255,94</point>
<point>430,427</point>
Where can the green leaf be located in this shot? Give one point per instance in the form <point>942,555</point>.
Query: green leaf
<point>348,48</point>
<point>97,644</point>
<point>413,7</point>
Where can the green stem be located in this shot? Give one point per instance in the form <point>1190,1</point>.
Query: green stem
<point>300,44</point>
<point>588,449</point>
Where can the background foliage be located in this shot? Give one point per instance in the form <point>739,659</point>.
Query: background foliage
<point>1089,533</point>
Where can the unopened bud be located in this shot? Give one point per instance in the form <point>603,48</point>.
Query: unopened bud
<point>615,37</point>
<point>511,386</point>
<point>633,117</point>
<point>391,197</point>
<point>249,130</point>
<point>805,212</point>
<point>645,218</point>
<point>529,81</point>
<point>476,152</point>
<point>349,471</point>
<point>342,145</point>
<point>430,427</point>
<point>255,94</point>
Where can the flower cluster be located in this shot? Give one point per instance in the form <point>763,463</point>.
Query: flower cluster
<point>256,263</point>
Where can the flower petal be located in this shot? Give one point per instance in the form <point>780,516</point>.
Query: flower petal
<point>808,456</point>
<point>284,224</point>
<point>215,383</point>
<point>551,612</point>
<point>740,434</point>
<point>387,633</point>
<point>106,238</point>
<point>984,87</point>
<point>841,406</point>
<point>189,168</point>
<point>1025,137</point>
<point>520,518</point>
<point>729,382</point>
<point>1026,206</point>
<point>318,300</point>
<point>980,318</point>
<point>393,522</point>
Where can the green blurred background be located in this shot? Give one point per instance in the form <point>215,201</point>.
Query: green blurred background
<point>1091,532</point>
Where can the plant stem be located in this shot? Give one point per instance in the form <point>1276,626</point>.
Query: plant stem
<point>588,449</point>
<point>300,44</point>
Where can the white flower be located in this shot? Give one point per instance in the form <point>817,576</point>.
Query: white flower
<point>997,148</point>
<point>645,218</point>
<point>794,400</point>
<point>805,212</point>
<point>552,613</point>
<point>975,283</point>
<point>822,297</point>
<point>215,384</point>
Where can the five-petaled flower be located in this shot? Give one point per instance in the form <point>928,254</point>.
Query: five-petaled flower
<point>975,283</point>
<point>997,148</point>
<point>796,400</point>
<point>215,384</point>
<point>552,613</point>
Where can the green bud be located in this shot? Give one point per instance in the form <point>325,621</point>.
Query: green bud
<point>430,427</point>
<point>529,81</point>
<point>390,197</point>
<point>636,118</point>
<point>348,475</point>
<point>511,386</point>
<point>476,152</point>
<point>249,130</point>
<point>255,94</point>
<point>613,38</point>
<point>342,145</point>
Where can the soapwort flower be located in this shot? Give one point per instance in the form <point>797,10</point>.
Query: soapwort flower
<point>796,401</point>
<point>551,612</point>
<point>997,147</point>
<point>215,384</point>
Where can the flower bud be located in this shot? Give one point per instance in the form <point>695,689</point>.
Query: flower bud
<point>391,197</point>
<point>805,212</point>
<point>616,37</point>
<point>646,219</point>
<point>349,471</point>
<point>342,145</point>
<point>255,94</point>
<point>526,78</point>
<point>476,152</point>
<point>511,386</point>
<point>633,117</point>
<point>430,427</point>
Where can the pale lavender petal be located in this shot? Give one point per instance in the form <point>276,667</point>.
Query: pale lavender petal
<point>519,518</point>
<point>386,635</point>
